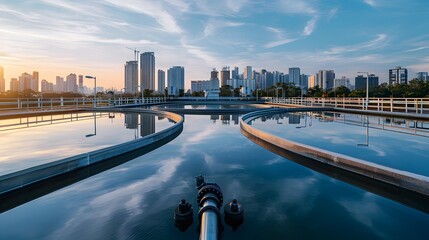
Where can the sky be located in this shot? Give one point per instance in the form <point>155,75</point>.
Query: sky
<point>59,37</point>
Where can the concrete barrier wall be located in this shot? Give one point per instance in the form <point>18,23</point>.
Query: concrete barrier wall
<point>403,179</point>
<point>38,173</point>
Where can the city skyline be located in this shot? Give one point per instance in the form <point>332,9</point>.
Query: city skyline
<point>92,38</point>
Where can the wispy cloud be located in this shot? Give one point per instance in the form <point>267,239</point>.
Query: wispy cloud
<point>378,42</point>
<point>152,9</point>
<point>279,43</point>
<point>213,25</point>
<point>416,49</point>
<point>280,36</point>
<point>296,7</point>
<point>372,3</point>
<point>309,27</point>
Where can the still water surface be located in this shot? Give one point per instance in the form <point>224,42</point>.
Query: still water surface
<point>28,142</point>
<point>396,143</point>
<point>282,200</point>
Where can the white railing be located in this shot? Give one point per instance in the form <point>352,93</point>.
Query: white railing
<point>407,105</point>
<point>62,103</point>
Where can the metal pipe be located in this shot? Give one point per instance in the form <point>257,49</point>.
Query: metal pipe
<point>209,221</point>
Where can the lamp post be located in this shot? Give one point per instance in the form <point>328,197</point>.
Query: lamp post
<point>95,89</point>
<point>122,92</point>
<point>367,89</point>
<point>277,92</point>
<point>258,89</point>
<point>141,89</point>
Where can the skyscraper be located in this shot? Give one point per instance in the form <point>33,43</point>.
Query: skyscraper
<point>325,79</point>
<point>398,75</point>
<point>71,83</point>
<point>80,89</point>
<point>311,81</point>
<point>25,82</point>
<point>303,81</point>
<point>14,85</point>
<point>35,81</point>
<point>131,76</point>
<point>2,82</point>
<point>422,76</point>
<point>360,82</point>
<point>247,73</point>
<point>294,75</point>
<point>59,84</point>
<point>235,73</point>
<point>161,81</point>
<point>175,80</point>
<point>225,75</point>
<point>214,74</point>
<point>147,70</point>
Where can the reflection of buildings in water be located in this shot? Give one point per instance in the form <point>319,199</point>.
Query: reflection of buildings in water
<point>294,119</point>
<point>214,118</point>
<point>235,119</point>
<point>131,120</point>
<point>225,119</point>
<point>147,124</point>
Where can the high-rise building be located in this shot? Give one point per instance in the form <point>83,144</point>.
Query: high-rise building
<point>235,73</point>
<point>71,83</point>
<point>398,75</point>
<point>59,84</point>
<point>360,82</point>
<point>248,73</point>
<point>131,77</point>
<point>303,81</point>
<point>311,81</point>
<point>343,81</point>
<point>225,75</point>
<point>25,82</point>
<point>214,74</point>
<point>147,70</point>
<point>46,86</point>
<point>14,85</point>
<point>294,76</point>
<point>325,79</point>
<point>204,85</point>
<point>2,81</point>
<point>423,76</point>
<point>175,80</point>
<point>80,89</point>
<point>35,81</point>
<point>161,81</point>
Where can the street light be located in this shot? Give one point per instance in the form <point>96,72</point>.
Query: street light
<point>367,89</point>
<point>258,89</point>
<point>141,89</point>
<point>95,89</point>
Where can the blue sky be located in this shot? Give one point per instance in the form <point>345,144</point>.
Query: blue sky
<point>58,37</point>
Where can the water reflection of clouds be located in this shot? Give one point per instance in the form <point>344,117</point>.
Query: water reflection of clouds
<point>385,147</point>
<point>366,211</point>
<point>27,147</point>
<point>130,198</point>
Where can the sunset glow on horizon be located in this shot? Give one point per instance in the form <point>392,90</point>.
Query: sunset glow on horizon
<point>59,37</point>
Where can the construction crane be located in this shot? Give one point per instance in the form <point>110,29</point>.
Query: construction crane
<point>136,53</point>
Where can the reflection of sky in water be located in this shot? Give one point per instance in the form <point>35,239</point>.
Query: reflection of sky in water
<point>44,142</point>
<point>282,199</point>
<point>209,106</point>
<point>393,149</point>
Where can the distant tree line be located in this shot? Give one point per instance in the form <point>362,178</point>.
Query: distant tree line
<point>414,89</point>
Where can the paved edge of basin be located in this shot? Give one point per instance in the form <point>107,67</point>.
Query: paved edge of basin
<point>402,179</point>
<point>19,179</point>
